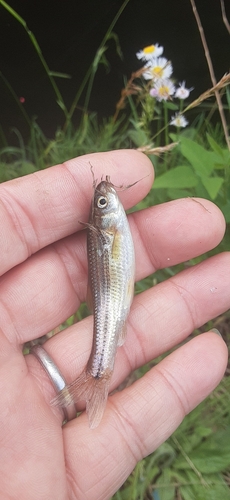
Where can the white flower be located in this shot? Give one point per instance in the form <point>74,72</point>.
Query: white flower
<point>182,92</point>
<point>162,90</point>
<point>159,68</point>
<point>179,120</point>
<point>150,52</point>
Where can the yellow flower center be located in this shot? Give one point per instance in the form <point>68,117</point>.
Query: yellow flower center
<point>164,90</point>
<point>149,49</point>
<point>158,71</point>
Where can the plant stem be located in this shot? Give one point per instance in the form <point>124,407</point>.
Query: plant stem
<point>15,97</point>
<point>93,67</point>
<point>189,461</point>
<point>39,53</point>
<point>224,17</point>
<point>166,124</point>
<point>211,71</point>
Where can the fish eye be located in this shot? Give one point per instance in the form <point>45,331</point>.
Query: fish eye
<point>102,202</point>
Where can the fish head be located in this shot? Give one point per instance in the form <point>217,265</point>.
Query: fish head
<point>106,202</point>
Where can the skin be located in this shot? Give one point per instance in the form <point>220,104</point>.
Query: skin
<point>43,281</point>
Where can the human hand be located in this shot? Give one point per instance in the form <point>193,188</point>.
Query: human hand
<point>43,281</point>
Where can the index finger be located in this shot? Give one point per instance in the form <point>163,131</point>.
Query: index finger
<point>46,206</point>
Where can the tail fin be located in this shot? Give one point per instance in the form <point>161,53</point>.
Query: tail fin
<point>91,389</point>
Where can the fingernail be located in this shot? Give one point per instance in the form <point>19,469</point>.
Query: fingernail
<point>214,330</point>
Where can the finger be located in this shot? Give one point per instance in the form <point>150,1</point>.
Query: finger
<point>31,440</point>
<point>175,232</point>
<point>160,319</point>
<point>53,282</point>
<point>46,206</point>
<point>141,417</point>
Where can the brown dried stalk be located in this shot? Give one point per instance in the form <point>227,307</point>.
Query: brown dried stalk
<point>130,89</point>
<point>225,20</point>
<point>211,71</point>
<point>225,80</point>
<point>149,150</point>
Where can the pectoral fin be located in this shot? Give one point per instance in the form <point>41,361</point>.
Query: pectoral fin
<point>88,225</point>
<point>122,335</point>
<point>116,246</point>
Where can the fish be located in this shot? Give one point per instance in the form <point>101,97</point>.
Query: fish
<point>111,271</point>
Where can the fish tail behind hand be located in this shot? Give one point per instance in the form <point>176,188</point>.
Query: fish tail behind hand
<point>93,390</point>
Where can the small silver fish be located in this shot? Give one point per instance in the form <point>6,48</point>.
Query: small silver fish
<point>111,263</point>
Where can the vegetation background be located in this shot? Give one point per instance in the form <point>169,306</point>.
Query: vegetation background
<point>39,128</point>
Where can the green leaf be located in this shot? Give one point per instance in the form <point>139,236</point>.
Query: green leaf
<point>138,137</point>
<point>210,462</point>
<point>203,161</point>
<point>61,104</point>
<point>226,211</point>
<point>175,194</point>
<point>188,133</point>
<point>27,168</point>
<point>209,457</point>
<point>214,145</point>
<point>59,75</point>
<point>213,455</point>
<point>220,166</point>
<point>228,96</point>
<point>178,177</point>
<point>171,105</point>
<point>218,491</point>
<point>164,487</point>
<point>203,431</point>
<point>213,185</point>
<point>173,137</point>
<point>213,487</point>
<point>117,42</point>
<point>222,154</point>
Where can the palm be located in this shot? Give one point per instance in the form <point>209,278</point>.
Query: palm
<point>39,458</point>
